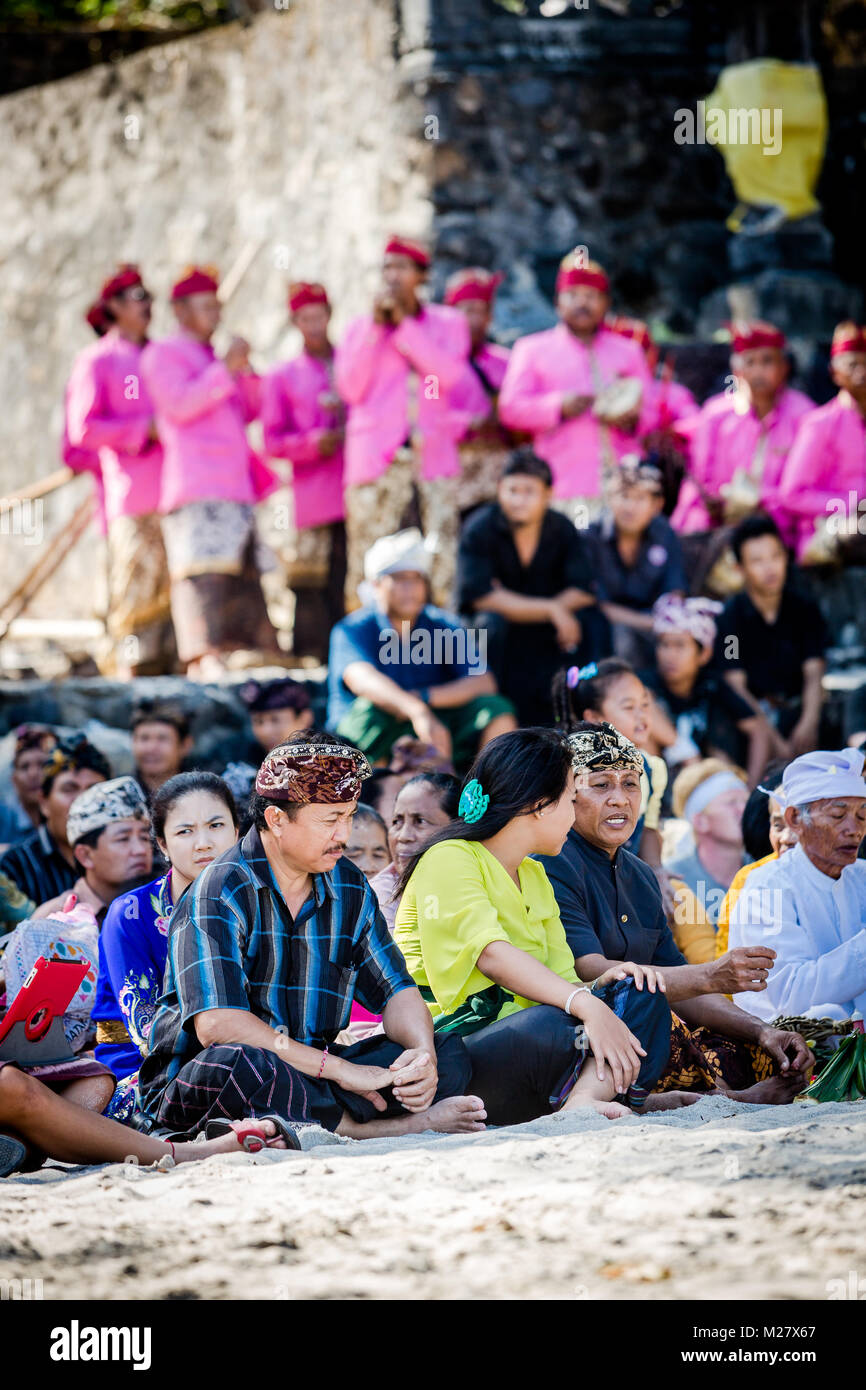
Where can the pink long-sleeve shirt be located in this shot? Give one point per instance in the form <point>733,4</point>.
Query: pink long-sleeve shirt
<point>202,411</point>
<point>295,414</point>
<point>826,465</point>
<point>373,367</point>
<point>726,436</point>
<point>108,413</point>
<point>667,403</point>
<point>544,368</point>
<point>84,461</point>
<point>469,398</point>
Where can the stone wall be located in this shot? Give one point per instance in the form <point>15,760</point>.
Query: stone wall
<point>289,142</point>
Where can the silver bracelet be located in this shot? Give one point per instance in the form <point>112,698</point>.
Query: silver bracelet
<point>581,989</point>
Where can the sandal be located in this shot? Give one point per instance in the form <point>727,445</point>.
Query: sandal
<point>252,1137</point>
<point>12,1155</point>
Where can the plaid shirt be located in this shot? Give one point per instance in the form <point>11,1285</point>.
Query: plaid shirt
<point>234,945</point>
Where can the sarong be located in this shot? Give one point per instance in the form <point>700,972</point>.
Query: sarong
<point>214,561</point>
<point>139,601</point>
<point>481,464</point>
<point>700,1059</point>
<point>396,499</point>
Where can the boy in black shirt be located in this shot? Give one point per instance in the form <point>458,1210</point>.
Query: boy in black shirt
<point>777,658</point>
<point>523,572</point>
<point>711,719</point>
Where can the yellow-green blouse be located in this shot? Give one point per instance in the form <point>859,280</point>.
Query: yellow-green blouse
<point>460,899</point>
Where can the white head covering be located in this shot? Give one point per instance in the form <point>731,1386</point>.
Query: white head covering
<point>823,775</point>
<point>405,550</point>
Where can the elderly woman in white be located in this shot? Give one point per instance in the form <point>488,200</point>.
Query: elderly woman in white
<point>810,905</point>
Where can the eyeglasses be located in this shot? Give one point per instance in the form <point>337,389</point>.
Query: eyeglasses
<point>138,292</point>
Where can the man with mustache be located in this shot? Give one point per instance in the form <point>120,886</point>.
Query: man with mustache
<point>559,385</point>
<point>268,949</point>
<point>810,904</point>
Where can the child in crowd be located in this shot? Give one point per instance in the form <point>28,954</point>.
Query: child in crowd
<point>368,841</point>
<point>611,692</point>
<point>636,557</point>
<point>194,821</point>
<point>710,718</point>
<point>777,661</point>
<point>277,709</point>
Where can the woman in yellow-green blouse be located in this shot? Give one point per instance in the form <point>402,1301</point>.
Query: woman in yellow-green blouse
<point>480,930</point>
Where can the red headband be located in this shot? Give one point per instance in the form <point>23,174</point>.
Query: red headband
<point>195,280</point>
<point>473,284</point>
<point>848,337</point>
<point>97,318</point>
<point>403,246</point>
<point>123,279</point>
<point>574,269</point>
<point>746,336</point>
<point>301,293</point>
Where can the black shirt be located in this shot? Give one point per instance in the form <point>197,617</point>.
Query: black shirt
<point>657,570</point>
<point>709,716</point>
<point>771,654</point>
<point>610,907</point>
<point>38,867</point>
<point>561,561</point>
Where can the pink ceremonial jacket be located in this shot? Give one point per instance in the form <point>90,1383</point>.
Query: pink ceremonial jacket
<point>545,367</point>
<point>202,411</point>
<point>667,403</point>
<point>108,412</point>
<point>84,461</point>
<point>469,398</point>
<point>373,369</point>
<point>727,435</point>
<point>827,464</point>
<point>295,413</point>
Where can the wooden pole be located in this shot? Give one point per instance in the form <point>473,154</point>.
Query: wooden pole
<point>46,565</point>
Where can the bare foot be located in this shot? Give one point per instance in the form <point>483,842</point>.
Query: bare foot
<point>776,1090</point>
<point>457,1115</point>
<point>611,1109</point>
<point>225,1144</point>
<point>670,1100</point>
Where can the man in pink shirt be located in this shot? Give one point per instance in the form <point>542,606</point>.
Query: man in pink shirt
<point>740,440</point>
<point>109,413</point>
<point>484,442</point>
<point>303,420</point>
<point>395,368</point>
<point>823,485</point>
<point>87,460</point>
<point>211,480</point>
<point>579,389</point>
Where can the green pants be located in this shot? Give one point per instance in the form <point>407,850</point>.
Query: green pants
<point>375,732</point>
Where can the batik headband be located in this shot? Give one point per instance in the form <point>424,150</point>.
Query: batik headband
<point>313,772</point>
<point>603,747</point>
<point>101,805</point>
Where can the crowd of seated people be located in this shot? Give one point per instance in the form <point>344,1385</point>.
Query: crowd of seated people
<point>566,831</point>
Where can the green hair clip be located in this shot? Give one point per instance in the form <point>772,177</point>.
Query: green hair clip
<point>473,802</point>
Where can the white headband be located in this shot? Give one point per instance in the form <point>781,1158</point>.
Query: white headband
<point>708,790</point>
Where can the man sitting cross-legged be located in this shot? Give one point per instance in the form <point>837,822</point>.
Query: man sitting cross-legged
<point>268,949</point>
<point>611,908</point>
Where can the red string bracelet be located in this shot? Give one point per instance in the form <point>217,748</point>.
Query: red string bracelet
<point>322,1067</point>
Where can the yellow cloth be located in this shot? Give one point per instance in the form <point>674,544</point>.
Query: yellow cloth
<point>730,899</point>
<point>651,797</point>
<point>693,931</point>
<point>459,900</point>
<point>787,178</point>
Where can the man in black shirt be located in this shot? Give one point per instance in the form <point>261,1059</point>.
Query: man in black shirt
<point>776,657</point>
<point>44,866</point>
<point>523,572</point>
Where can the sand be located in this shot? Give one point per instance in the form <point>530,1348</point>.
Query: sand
<point>719,1201</point>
